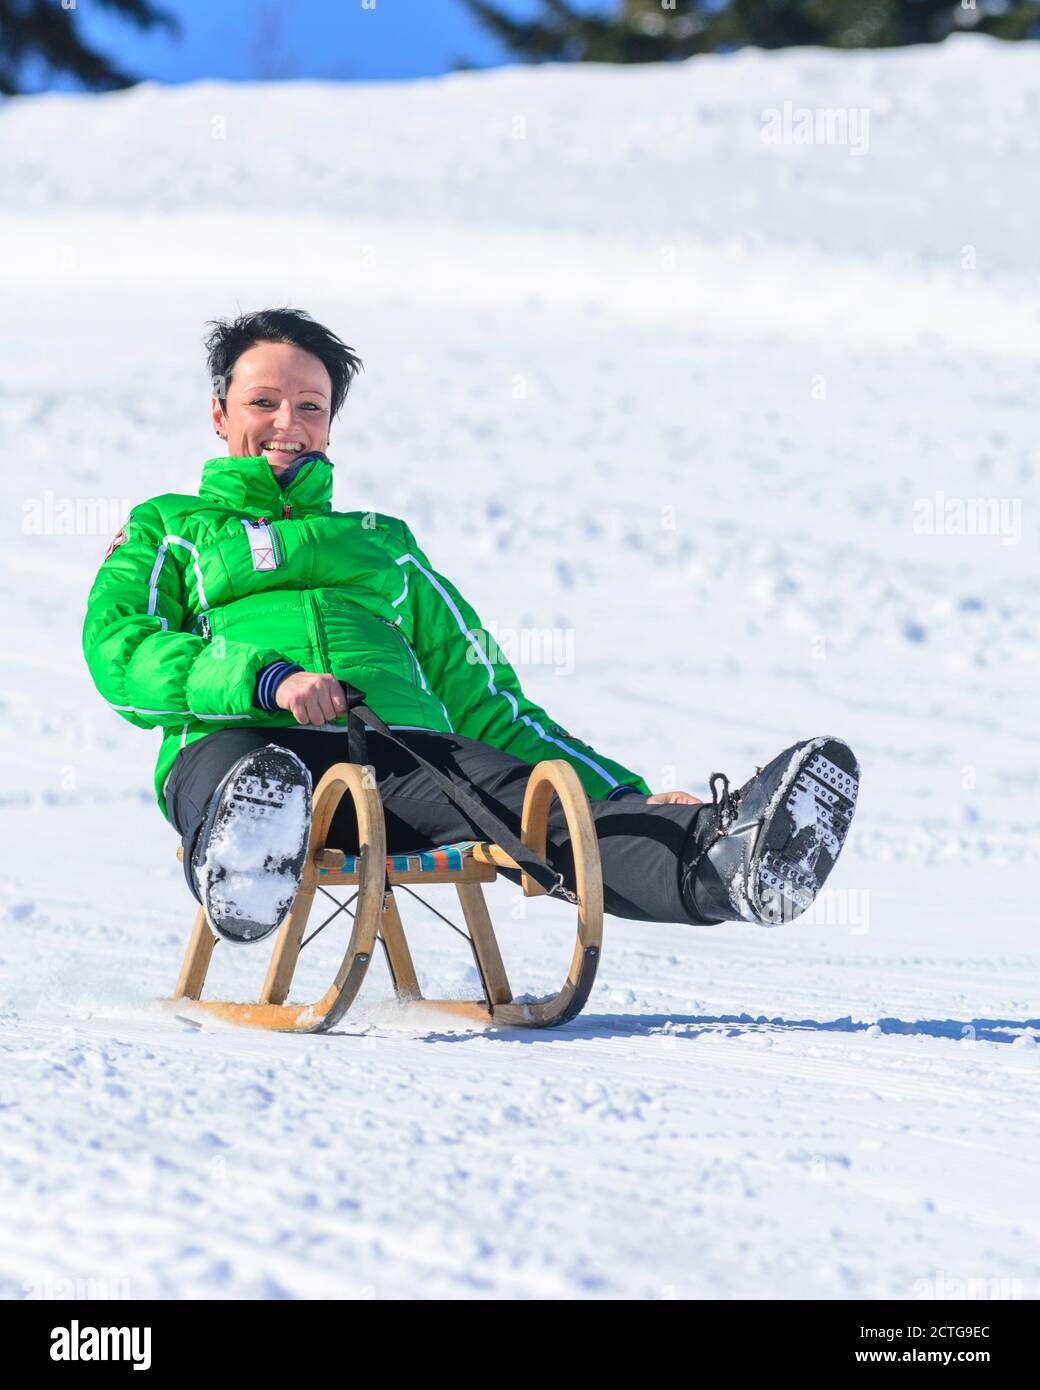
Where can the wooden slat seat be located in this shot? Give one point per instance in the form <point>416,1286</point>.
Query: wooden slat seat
<point>443,859</point>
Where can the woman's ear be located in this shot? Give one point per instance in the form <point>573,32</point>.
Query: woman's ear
<point>219,417</point>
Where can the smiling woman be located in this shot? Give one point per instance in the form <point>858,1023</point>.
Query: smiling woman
<point>232,620</point>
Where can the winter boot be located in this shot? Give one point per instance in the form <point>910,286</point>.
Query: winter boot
<point>249,855</point>
<point>761,854</point>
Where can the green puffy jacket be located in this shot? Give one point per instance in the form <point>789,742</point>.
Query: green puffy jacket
<point>198,594</point>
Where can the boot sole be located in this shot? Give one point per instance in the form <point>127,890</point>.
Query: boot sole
<point>803,834</point>
<point>256,846</point>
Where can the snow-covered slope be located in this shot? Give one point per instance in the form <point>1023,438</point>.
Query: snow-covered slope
<point>713,406</point>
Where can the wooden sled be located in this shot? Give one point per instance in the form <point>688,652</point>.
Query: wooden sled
<point>466,864</point>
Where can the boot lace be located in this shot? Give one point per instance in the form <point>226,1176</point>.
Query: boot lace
<point>724,800</point>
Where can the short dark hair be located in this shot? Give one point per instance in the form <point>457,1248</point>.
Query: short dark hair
<point>228,339</point>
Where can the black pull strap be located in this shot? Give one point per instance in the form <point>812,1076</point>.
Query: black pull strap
<point>358,715</point>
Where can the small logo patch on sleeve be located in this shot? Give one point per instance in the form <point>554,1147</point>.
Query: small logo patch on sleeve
<point>120,538</point>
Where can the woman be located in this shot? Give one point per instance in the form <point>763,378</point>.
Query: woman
<point>229,620</point>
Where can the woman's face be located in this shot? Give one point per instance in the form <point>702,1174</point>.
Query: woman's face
<point>278,405</point>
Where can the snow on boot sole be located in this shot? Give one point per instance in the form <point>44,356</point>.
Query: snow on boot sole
<point>777,839</point>
<point>250,855</point>
<point>803,834</point>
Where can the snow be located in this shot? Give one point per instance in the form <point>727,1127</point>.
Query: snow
<point>711,407</point>
<point>249,838</point>
<point>803,806</point>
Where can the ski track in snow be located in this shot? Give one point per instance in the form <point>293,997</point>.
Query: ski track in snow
<point>594,365</point>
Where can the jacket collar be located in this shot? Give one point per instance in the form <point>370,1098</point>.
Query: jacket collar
<point>249,485</point>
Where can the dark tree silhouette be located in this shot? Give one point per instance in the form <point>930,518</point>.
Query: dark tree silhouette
<point>867,23</point>
<point>41,32</point>
<point>640,32</point>
<point>643,31</point>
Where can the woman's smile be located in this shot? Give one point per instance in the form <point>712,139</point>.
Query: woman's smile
<point>277,449</point>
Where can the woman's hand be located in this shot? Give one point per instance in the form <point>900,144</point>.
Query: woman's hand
<point>312,697</point>
<point>673,798</point>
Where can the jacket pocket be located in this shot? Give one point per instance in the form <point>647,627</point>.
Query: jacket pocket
<point>321,643</point>
<point>412,663</point>
<point>282,621</point>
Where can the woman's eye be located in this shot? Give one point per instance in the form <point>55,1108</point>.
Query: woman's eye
<point>262,401</point>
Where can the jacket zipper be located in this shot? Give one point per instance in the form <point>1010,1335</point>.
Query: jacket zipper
<point>411,655</point>
<point>320,638</point>
<point>304,471</point>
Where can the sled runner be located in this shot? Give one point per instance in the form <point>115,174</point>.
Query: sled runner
<point>374,875</point>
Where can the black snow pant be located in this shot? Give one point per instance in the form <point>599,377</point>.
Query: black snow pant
<point>641,846</point>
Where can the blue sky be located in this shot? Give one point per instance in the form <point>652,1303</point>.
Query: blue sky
<point>274,39</point>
